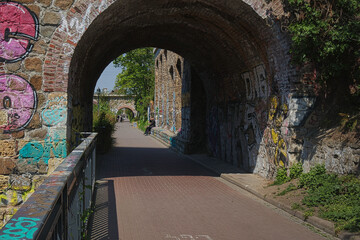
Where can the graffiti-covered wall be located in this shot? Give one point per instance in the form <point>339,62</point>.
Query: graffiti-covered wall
<point>32,120</point>
<point>169,74</point>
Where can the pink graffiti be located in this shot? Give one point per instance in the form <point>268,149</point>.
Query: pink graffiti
<point>17,102</point>
<point>18,27</point>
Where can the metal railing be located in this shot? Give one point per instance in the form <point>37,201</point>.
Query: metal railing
<point>59,207</point>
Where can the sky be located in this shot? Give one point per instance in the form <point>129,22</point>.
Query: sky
<point>108,77</point>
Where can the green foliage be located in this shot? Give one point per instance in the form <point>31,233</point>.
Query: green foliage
<point>296,206</point>
<point>296,170</point>
<point>282,173</point>
<point>326,34</point>
<point>137,78</point>
<point>281,176</point>
<point>104,125</point>
<point>312,178</point>
<point>338,197</point>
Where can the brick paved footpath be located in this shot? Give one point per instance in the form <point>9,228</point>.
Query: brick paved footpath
<point>147,192</point>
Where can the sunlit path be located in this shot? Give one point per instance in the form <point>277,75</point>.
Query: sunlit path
<point>161,195</point>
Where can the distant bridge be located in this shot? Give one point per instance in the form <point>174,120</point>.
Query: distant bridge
<point>117,101</point>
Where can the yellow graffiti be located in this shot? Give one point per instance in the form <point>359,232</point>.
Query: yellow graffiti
<point>273,107</point>
<point>277,115</point>
<point>280,148</point>
<point>14,199</point>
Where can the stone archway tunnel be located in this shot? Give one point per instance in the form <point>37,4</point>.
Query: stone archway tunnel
<point>237,57</point>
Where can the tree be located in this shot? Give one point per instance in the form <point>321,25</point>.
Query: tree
<point>137,77</point>
<point>326,33</point>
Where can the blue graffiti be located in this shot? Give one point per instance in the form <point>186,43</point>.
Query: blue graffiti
<point>23,228</point>
<point>52,117</point>
<point>54,111</point>
<point>36,151</point>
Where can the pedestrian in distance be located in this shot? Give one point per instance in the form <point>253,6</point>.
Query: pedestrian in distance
<point>151,125</point>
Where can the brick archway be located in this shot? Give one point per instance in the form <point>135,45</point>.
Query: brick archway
<point>238,56</point>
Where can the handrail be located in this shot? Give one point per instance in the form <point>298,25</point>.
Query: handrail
<point>58,207</point>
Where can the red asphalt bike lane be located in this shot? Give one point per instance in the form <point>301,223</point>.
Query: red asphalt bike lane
<point>148,192</point>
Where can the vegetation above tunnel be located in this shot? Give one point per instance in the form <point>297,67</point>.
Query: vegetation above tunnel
<point>326,33</point>
<point>137,77</point>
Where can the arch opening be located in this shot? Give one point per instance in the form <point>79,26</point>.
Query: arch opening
<point>235,62</point>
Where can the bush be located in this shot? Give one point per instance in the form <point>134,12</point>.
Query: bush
<point>282,173</point>
<point>281,176</point>
<point>104,126</point>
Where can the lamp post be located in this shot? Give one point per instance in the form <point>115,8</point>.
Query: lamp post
<point>98,91</point>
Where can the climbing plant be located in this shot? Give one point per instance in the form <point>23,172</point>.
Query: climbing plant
<point>325,33</point>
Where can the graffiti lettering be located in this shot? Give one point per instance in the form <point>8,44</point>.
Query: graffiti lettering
<point>189,237</point>
<point>19,26</point>
<point>19,102</point>
<point>20,228</point>
<point>255,83</point>
<point>36,151</point>
<point>77,26</point>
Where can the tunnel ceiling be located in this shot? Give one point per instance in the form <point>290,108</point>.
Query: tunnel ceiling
<point>219,38</point>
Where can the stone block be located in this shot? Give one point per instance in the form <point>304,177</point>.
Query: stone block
<point>35,122</point>
<point>40,47</point>
<point>7,148</point>
<point>4,182</point>
<point>45,2</point>
<point>5,136</point>
<point>35,9</point>
<point>21,183</point>
<point>13,67</point>
<point>4,202</point>
<point>6,166</point>
<point>33,64</point>
<point>14,198</point>
<point>27,1</point>
<point>36,81</point>
<point>51,18</point>
<point>63,4</point>
<point>38,134</point>
<point>41,100</point>
<point>27,166</point>
<point>17,135</point>
<point>47,31</point>
<point>53,164</point>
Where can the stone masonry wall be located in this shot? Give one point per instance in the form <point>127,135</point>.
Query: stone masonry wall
<point>169,71</point>
<point>32,119</point>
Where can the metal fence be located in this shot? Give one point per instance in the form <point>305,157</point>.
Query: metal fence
<point>59,208</point>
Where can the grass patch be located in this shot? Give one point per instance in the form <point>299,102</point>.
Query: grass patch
<point>336,197</point>
<point>290,188</point>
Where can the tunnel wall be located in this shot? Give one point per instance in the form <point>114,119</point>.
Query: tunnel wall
<point>53,51</point>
